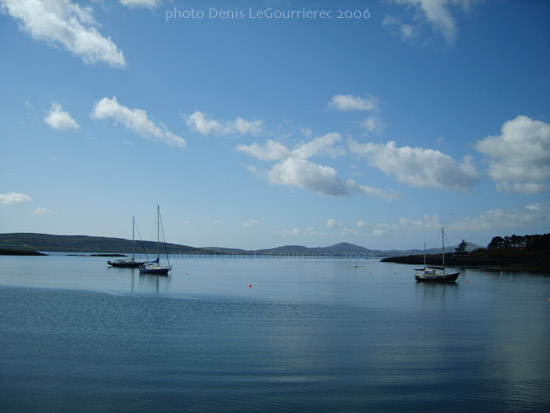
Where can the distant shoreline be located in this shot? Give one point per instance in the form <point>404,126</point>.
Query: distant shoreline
<point>517,262</point>
<point>26,252</point>
<point>6,251</point>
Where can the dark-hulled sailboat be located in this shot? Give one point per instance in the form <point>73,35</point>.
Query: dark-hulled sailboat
<point>128,262</point>
<point>154,267</point>
<point>436,274</point>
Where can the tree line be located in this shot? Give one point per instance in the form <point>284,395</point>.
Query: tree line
<point>522,242</point>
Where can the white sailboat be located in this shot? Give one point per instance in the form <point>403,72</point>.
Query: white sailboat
<point>128,262</point>
<point>154,267</point>
<point>436,274</point>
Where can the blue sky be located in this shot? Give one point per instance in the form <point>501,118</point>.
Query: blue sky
<point>255,124</point>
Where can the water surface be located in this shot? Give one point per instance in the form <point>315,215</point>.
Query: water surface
<point>279,335</point>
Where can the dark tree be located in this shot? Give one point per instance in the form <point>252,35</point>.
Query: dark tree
<point>461,249</point>
<point>496,243</point>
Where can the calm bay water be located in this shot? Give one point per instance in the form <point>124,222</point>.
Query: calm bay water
<point>269,335</point>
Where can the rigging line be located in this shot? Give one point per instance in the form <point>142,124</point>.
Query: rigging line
<point>141,241</point>
<point>451,255</point>
<point>164,239</point>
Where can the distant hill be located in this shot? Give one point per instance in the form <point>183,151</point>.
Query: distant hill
<point>339,250</point>
<point>84,243</point>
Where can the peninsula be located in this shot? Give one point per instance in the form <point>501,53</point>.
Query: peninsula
<point>515,253</point>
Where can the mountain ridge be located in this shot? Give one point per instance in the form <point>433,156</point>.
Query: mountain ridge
<point>94,244</point>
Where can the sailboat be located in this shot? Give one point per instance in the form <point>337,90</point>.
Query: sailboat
<point>436,274</point>
<point>128,262</point>
<point>154,267</point>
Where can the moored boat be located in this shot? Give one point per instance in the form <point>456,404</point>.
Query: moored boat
<point>154,267</point>
<point>128,262</point>
<point>436,274</point>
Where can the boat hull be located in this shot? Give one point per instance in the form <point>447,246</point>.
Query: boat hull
<point>154,270</point>
<point>125,263</point>
<point>437,278</point>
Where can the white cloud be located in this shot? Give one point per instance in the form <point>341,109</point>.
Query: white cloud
<point>436,12</point>
<point>306,132</point>
<point>440,17</point>
<point>379,232</point>
<point>519,156</point>
<point>373,124</point>
<point>428,222</point>
<point>251,223</point>
<point>335,225</point>
<point>60,120</point>
<point>305,174</point>
<point>349,103</point>
<point>533,214</point>
<point>404,226</point>
<point>61,22</point>
<point>324,145</point>
<point>389,196</point>
<point>397,28</point>
<point>291,232</point>
<point>295,232</point>
<point>199,122</point>
<point>332,223</point>
<point>407,31</point>
<point>136,120</point>
<point>12,198</point>
<point>41,211</point>
<point>271,151</point>
<point>244,126</point>
<point>361,224</point>
<point>293,167</point>
<point>499,220</point>
<point>418,167</point>
<point>140,3</point>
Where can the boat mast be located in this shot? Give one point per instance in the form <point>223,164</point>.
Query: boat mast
<point>133,239</point>
<point>424,256</point>
<point>158,233</point>
<point>443,243</point>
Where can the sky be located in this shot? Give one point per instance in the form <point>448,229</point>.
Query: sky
<point>256,124</point>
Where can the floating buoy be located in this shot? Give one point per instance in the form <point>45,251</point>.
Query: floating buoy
<point>486,273</point>
<point>467,281</point>
<point>249,285</point>
<point>186,273</point>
